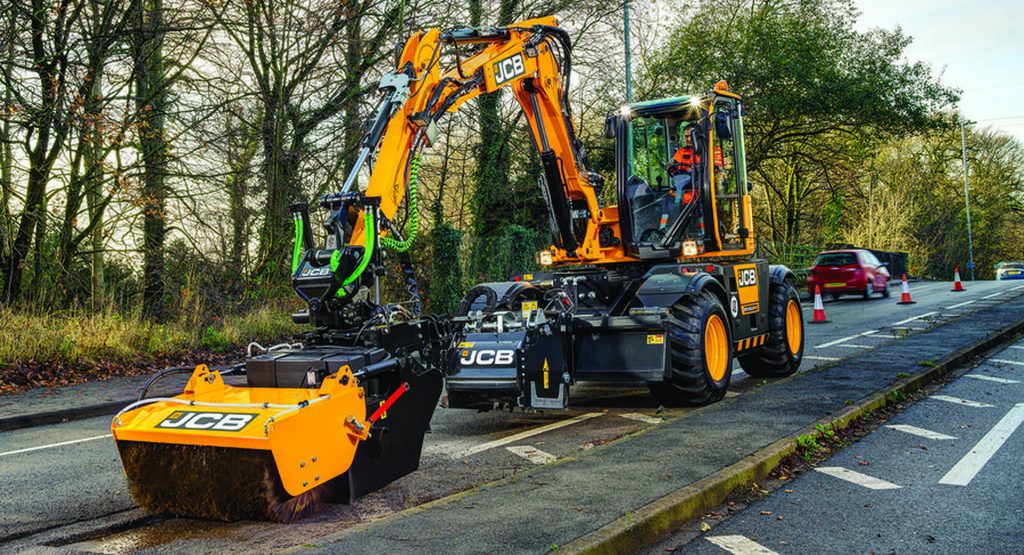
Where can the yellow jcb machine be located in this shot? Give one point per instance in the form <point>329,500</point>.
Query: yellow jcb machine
<point>659,289</point>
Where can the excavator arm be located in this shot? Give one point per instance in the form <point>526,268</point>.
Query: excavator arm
<point>532,58</point>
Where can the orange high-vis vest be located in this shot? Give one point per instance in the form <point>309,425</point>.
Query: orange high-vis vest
<point>686,157</point>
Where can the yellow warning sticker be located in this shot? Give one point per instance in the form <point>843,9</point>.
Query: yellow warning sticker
<point>656,339</point>
<point>527,277</point>
<point>528,307</point>
<point>384,414</point>
<point>466,345</point>
<point>547,371</point>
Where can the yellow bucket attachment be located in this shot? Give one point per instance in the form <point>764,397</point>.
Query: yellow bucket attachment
<point>224,452</point>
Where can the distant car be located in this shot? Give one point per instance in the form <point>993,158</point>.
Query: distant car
<point>854,271</point>
<point>1010,270</point>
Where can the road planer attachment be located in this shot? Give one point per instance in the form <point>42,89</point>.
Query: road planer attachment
<point>275,453</point>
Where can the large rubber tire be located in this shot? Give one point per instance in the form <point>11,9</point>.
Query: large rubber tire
<point>779,356</point>
<point>700,353</point>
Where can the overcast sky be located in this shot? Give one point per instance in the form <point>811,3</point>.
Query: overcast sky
<point>978,46</point>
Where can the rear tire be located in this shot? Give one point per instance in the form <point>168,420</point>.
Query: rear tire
<point>885,292</point>
<point>869,289</point>
<point>700,353</point>
<point>782,352</point>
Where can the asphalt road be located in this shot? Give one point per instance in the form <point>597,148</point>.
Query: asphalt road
<point>943,476</point>
<point>46,484</point>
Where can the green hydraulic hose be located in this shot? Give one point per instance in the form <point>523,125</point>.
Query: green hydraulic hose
<point>370,228</point>
<point>297,253</point>
<point>402,246</point>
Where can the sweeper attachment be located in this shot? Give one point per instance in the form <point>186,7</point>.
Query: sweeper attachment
<point>337,415</point>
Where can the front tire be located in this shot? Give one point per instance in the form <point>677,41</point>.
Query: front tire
<point>700,353</point>
<point>782,352</point>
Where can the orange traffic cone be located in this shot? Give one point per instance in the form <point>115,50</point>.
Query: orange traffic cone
<point>819,308</point>
<point>905,293</point>
<point>957,285</point>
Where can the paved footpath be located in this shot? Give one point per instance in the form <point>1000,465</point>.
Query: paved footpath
<point>542,510</point>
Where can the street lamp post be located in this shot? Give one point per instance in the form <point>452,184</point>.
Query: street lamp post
<point>629,65</point>
<point>967,197</point>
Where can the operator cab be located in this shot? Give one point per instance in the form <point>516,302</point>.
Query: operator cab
<point>681,176</point>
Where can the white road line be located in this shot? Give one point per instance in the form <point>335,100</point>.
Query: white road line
<point>854,346</point>
<point>731,394</point>
<point>925,315</point>
<point>958,305</point>
<point>990,378</point>
<point>914,430</point>
<point>959,401</point>
<point>869,482</point>
<point>1016,288</point>
<point>523,435</point>
<point>845,339</point>
<point>72,442</point>
<point>972,463</point>
<point>816,357</point>
<point>1017,347</point>
<point>642,418</point>
<point>532,454</point>
<point>996,294</point>
<point>740,545</point>
<point>1004,361</point>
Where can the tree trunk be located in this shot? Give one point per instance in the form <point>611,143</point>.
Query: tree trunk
<point>6,152</point>
<point>151,103</point>
<point>94,197</point>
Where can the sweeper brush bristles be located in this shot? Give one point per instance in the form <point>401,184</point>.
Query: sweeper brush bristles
<point>211,482</point>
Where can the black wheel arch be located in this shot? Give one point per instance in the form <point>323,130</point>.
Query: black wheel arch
<point>665,290</point>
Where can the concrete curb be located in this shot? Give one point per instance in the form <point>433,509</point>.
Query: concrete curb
<point>650,523</point>
<point>62,415</point>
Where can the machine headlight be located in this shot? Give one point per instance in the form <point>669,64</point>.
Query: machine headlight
<point>689,248</point>
<point>545,258</point>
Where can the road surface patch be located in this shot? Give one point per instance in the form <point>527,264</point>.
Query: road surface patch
<point>920,432</point>
<point>864,480</point>
<point>514,438</point>
<point>642,418</point>
<point>532,454</point>
<point>1004,361</point>
<point>740,545</point>
<point>992,379</point>
<point>59,444</point>
<point>959,401</point>
<point>975,460</point>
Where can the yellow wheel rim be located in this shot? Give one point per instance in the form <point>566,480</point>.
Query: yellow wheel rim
<point>716,347</point>
<point>794,327</point>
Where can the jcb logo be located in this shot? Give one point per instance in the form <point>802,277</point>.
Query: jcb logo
<point>508,68</point>
<point>488,357</point>
<point>748,277</point>
<point>314,272</point>
<point>224,422</point>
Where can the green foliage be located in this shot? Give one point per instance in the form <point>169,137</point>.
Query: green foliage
<point>446,269</point>
<point>215,340</point>
<point>902,375</point>
<point>807,446</point>
<point>827,431</point>
<point>926,363</point>
<point>79,337</point>
<point>513,253</point>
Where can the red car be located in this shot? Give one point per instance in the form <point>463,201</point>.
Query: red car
<point>854,271</point>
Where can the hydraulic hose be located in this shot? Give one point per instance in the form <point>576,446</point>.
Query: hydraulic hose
<point>404,245</point>
<point>297,253</point>
<point>370,227</point>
